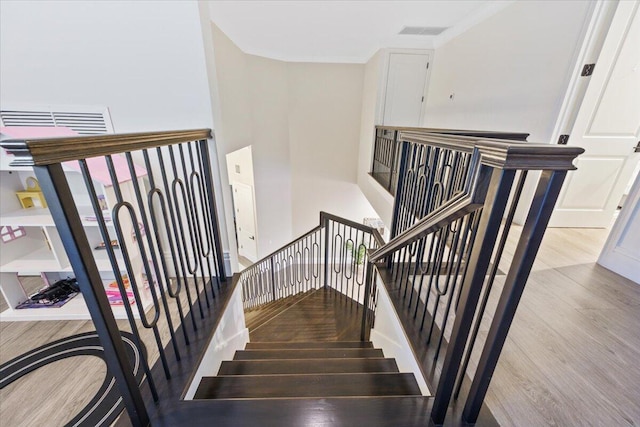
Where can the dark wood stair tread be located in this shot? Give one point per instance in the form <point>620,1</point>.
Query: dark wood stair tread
<point>307,345</point>
<point>307,366</point>
<point>408,411</point>
<point>322,353</point>
<point>310,385</point>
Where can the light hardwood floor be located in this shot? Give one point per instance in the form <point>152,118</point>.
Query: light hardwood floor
<point>572,357</point>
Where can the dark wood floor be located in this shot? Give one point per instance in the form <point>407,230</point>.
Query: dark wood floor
<point>322,315</point>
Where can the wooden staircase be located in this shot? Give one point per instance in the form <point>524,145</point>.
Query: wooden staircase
<point>309,370</point>
<point>326,381</point>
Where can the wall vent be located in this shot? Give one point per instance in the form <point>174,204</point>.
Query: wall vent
<point>84,120</point>
<point>422,31</point>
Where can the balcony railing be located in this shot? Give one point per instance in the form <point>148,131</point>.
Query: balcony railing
<point>455,202</point>
<point>456,197</point>
<point>334,254</point>
<point>152,193</point>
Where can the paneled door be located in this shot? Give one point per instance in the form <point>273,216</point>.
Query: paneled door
<point>405,89</point>
<point>245,220</point>
<point>607,127</point>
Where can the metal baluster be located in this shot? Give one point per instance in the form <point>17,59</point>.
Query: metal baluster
<point>152,251</point>
<point>194,222</point>
<point>498,192</point>
<point>155,191</point>
<point>192,269</point>
<point>121,203</point>
<point>178,235</point>
<point>104,232</point>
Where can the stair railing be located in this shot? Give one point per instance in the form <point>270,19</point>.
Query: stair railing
<point>153,194</point>
<point>423,177</point>
<point>441,267</point>
<point>333,254</point>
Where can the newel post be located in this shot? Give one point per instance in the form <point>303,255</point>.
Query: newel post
<point>367,297</point>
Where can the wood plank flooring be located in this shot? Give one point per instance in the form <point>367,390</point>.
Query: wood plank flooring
<point>571,358</point>
<point>322,315</point>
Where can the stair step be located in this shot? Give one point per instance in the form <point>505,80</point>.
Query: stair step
<point>307,366</point>
<point>307,345</point>
<point>308,385</point>
<point>323,353</point>
<point>407,411</point>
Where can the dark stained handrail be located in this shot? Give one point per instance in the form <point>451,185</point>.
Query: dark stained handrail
<point>514,136</point>
<point>47,151</point>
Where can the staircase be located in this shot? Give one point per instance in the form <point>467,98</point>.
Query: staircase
<point>274,370</point>
<point>306,370</point>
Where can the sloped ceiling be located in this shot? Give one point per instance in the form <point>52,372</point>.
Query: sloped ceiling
<point>342,31</point>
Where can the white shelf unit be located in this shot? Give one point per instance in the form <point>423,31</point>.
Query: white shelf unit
<point>41,250</point>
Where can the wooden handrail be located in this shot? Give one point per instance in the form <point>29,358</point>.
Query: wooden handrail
<point>291,243</point>
<point>47,151</point>
<point>502,153</point>
<point>514,136</point>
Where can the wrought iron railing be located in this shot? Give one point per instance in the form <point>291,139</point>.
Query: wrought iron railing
<point>151,194</point>
<point>334,254</point>
<point>423,177</point>
<point>441,265</point>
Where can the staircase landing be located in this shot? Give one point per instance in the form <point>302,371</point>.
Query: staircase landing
<point>316,315</point>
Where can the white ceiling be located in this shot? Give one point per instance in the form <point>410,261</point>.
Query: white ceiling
<point>342,31</point>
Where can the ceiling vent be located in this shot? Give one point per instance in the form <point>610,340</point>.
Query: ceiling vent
<point>422,31</point>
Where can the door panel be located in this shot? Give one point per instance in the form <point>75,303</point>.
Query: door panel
<point>607,127</point>
<point>405,89</point>
<point>245,221</point>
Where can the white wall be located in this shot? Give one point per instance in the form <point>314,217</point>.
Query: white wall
<point>509,72</point>
<point>143,60</point>
<point>324,127</point>
<point>379,198</point>
<point>252,96</point>
<point>303,123</point>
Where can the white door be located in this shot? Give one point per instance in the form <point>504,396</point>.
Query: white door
<point>621,253</point>
<point>405,89</point>
<point>607,127</point>
<point>245,220</point>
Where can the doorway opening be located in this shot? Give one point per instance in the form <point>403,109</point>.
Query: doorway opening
<point>241,180</point>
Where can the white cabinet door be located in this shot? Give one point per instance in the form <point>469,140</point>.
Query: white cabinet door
<point>245,221</point>
<point>607,127</point>
<point>621,253</point>
<point>404,95</point>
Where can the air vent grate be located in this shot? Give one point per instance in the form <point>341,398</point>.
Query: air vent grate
<point>422,31</point>
<point>87,122</point>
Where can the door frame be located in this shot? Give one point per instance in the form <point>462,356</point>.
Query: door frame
<point>384,76</point>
